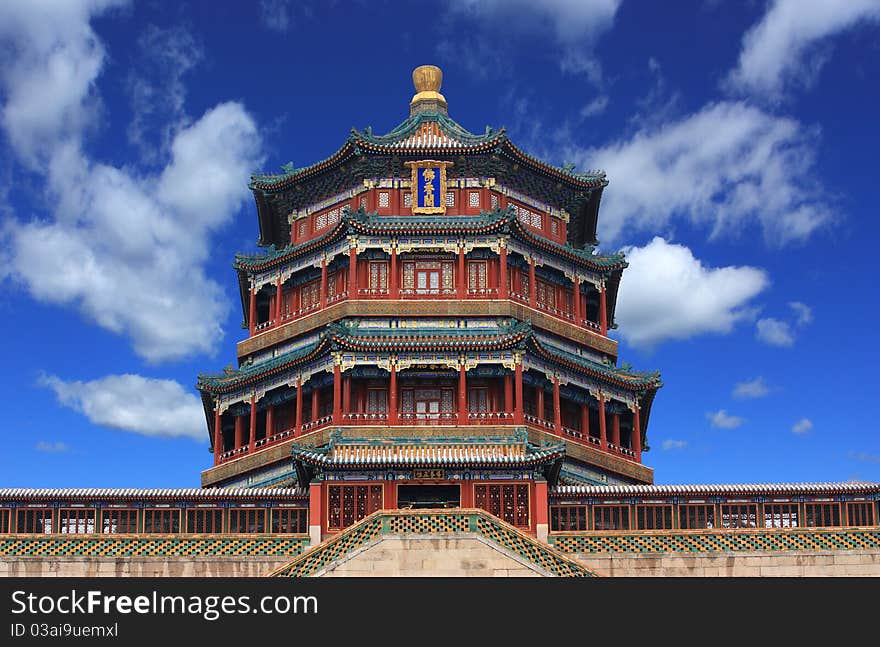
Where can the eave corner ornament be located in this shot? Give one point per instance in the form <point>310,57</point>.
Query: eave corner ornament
<point>429,186</point>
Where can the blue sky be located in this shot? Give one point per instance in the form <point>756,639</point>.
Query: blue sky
<point>739,139</point>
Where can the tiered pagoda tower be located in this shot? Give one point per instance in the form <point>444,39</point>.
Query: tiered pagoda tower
<point>428,328</point>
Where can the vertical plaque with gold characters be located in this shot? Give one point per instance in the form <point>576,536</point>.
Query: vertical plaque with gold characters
<point>429,186</point>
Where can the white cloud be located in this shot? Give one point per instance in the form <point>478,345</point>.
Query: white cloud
<point>803,312</point>
<point>156,88</point>
<point>666,293</point>
<point>722,420</point>
<point>275,14</point>
<point>726,167</point>
<point>575,25</point>
<point>133,403</point>
<point>51,58</point>
<point>865,457</point>
<point>802,426</point>
<point>669,445</point>
<point>52,448</point>
<point>124,247</point>
<point>595,107</point>
<point>751,389</point>
<point>774,332</point>
<point>783,48</point>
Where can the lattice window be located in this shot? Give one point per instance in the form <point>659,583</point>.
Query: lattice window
<point>524,282</point>
<point>450,199</point>
<point>478,400</point>
<point>78,521</point>
<point>363,203</point>
<point>546,294</point>
<point>653,517</point>
<point>446,401</point>
<point>377,401</point>
<point>34,521</point>
<point>860,514</point>
<point>739,515</point>
<point>286,302</point>
<point>378,275</point>
<point>348,504</point>
<point>568,517</point>
<point>303,228</point>
<point>204,520</point>
<point>407,199</point>
<point>331,284</point>
<point>428,277</point>
<point>781,515</point>
<point>696,516</point>
<point>477,271</point>
<point>822,514</point>
<point>5,521</point>
<point>290,520</point>
<point>524,215</point>
<point>509,502</point>
<point>320,221</point>
<point>384,199</point>
<point>119,521</point>
<point>333,217</point>
<point>310,294</point>
<point>407,401</point>
<point>611,517</point>
<point>554,226</point>
<point>493,200</point>
<point>161,520</point>
<point>247,520</point>
<point>473,199</point>
<point>537,220</point>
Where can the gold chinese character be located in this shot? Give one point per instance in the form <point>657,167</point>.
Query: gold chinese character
<point>428,177</point>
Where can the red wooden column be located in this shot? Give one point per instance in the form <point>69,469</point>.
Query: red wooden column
<point>462,279</point>
<point>278,302</point>
<point>576,300</point>
<point>393,281</point>
<point>346,395</point>
<point>252,312</point>
<point>323,303</point>
<point>462,396</point>
<point>518,388</point>
<point>316,395</point>
<point>239,432</point>
<point>270,421</point>
<point>352,272</point>
<point>508,394</point>
<point>539,405</point>
<point>218,437</point>
<point>541,509</point>
<point>337,393</point>
<point>298,423</point>
<point>585,419</point>
<point>253,425</point>
<point>603,436</point>
<point>637,433</point>
<point>392,397</point>
<point>502,274</point>
<point>615,429</point>
<point>603,310</point>
<point>557,407</point>
<point>533,286</point>
<point>316,513</point>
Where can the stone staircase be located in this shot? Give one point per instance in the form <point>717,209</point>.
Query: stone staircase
<point>428,542</point>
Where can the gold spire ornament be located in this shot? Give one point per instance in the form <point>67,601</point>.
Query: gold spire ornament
<point>427,80</point>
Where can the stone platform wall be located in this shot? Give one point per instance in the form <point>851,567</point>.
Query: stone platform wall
<point>737,564</point>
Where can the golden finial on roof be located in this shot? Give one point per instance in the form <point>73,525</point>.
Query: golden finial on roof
<point>427,79</point>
